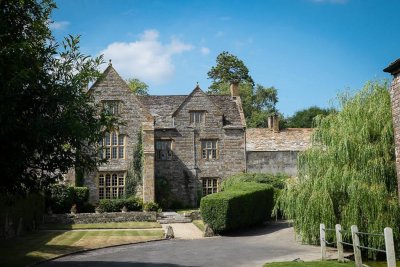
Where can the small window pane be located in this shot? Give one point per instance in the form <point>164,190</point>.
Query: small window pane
<point>114,139</point>
<point>107,139</point>
<point>108,153</point>
<point>121,152</point>
<point>114,180</point>
<point>101,193</point>
<point>121,140</point>
<point>120,192</point>
<point>108,180</point>
<point>108,195</point>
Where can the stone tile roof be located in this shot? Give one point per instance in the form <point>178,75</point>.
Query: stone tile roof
<point>291,139</point>
<point>163,106</point>
<point>393,67</point>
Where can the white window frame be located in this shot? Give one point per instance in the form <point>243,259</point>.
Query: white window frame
<point>197,117</point>
<point>209,149</point>
<point>111,106</point>
<point>113,146</point>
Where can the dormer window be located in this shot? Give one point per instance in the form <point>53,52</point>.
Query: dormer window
<point>197,117</point>
<point>111,106</point>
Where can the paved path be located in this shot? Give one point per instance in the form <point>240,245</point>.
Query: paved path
<point>185,230</point>
<point>250,248</point>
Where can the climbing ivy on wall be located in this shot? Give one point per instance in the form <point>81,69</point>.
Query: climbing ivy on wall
<point>135,171</point>
<point>348,175</point>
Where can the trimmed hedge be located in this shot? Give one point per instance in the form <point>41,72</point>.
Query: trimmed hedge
<point>240,205</point>
<point>116,205</point>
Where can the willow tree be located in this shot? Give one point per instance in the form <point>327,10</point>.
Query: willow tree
<point>348,175</point>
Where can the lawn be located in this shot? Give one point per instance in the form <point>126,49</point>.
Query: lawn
<point>43,245</point>
<point>199,224</point>
<point>115,225</point>
<point>309,264</point>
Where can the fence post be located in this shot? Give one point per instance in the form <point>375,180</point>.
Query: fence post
<point>389,245</point>
<point>356,243</point>
<point>322,240</point>
<point>339,244</point>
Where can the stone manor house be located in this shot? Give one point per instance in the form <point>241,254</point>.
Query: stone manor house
<point>192,141</point>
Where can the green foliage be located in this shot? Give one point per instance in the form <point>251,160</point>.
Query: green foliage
<point>116,205</point>
<point>138,87</point>
<point>242,204</point>
<point>163,192</point>
<point>276,180</point>
<point>46,116</point>
<point>258,101</point>
<point>229,69</point>
<point>135,172</point>
<point>21,214</point>
<point>348,176</point>
<point>305,118</point>
<point>60,198</point>
<point>151,206</point>
<point>80,195</point>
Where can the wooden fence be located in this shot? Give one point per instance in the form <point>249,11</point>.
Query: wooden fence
<point>387,234</point>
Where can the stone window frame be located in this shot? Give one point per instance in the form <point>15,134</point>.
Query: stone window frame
<point>209,185</point>
<point>167,150</point>
<point>111,185</point>
<point>112,106</point>
<point>112,146</point>
<point>209,146</point>
<point>197,117</point>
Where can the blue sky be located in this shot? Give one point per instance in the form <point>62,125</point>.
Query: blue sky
<point>308,49</point>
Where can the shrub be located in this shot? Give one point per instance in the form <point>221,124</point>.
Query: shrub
<point>151,206</point>
<point>240,205</point>
<point>86,208</point>
<point>80,195</point>
<point>60,198</point>
<point>116,205</point>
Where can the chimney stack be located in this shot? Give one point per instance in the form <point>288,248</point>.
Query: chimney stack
<point>234,89</point>
<point>273,122</point>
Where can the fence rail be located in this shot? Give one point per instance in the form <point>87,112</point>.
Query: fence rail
<point>387,234</point>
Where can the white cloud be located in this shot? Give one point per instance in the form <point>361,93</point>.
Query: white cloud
<point>204,50</point>
<point>58,25</point>
<point>331,1</point>
<point>147,58</point>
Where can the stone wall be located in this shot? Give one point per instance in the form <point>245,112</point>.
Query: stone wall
<point>185,172</point>
<point>132,114</point>
<point>272,162</point>
<point>106,217</point>
<point>395,97</point>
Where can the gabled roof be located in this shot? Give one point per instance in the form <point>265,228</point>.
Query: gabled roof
<point>393,67</point>
<point>111,75</point>
<point>290,139</point>
<point>163,107</point>
<point>195,90</point>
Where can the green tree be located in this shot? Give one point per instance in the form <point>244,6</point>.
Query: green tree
<point>258,101</point>
<point>48,121</point>
<point>229,69</point>
<point>138,87</point>
<point>305,118</point>
<point>348,176</point>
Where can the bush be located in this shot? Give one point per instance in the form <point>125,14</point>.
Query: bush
<point>151,206</point>
<point>59,198</point>
<point>240,205</point>
<point>80,195</point>
<point>116,205</point>
<point>20,214</point>
<point>276,180</point>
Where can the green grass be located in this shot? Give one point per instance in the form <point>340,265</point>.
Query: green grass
<point>309,264</point>
<point>116,225</point>
<point>44,245</point>
<point>199,224</point>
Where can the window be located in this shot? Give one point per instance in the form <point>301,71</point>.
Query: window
<point>210,186</point>
<point>197,117</point>
<point>209,149</point>
<point>111,185</point>
<point>164,150</point>
<point>113,146</point>
<point>111,106</point>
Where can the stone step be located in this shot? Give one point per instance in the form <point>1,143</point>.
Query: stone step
<point>173,220</point>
